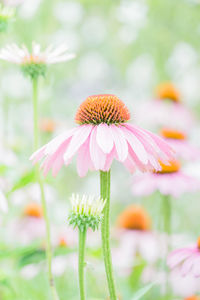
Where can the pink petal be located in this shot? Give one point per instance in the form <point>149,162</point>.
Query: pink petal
<point>136,145</point>
<point>120,143</point>
<point>83,159</point>
<point>97,156</point>
<point>104,138</point>
<point>78,138</point>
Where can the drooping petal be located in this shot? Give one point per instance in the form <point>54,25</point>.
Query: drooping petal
<point>136,145</point>
<point>83,159</point>
<point>104,138</point>
<point>97,156</point>
<point>120,143</point>
<point>78,139</point>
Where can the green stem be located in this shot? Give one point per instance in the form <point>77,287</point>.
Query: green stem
<point>81,263</point>
<point>166,202</point>
<point>105,231</point>
<point>41,185</point>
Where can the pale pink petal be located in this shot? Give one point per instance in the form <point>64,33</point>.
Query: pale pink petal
<point>97,156</point>
<point>120,143</point>
<point>136,145</point>
<point>196,267</point>
<point>53,145</point>
<point>177,256</point>
<point>187,265</point>
<point>104,138</point>
<point>78,139</point>
<point>109,160</point>
<point>83,159</point>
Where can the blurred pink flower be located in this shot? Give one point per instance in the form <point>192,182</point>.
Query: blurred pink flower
<point>156,114</point>
<point>170,181</point>
<point>187,259</point>
<point>22,56</point>
<point>102,136</point>
<point>134,234</point>
<point>166,110</point>
<point>179,142</point>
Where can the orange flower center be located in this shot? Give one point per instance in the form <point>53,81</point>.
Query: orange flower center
<point>33,210</point>
<point>173,167</point>
<point>99,109</point>
<point>62,242</point>
<point>198,243</point>
<point>134,217</point>
<point>193,298</point>
<point>32,59</point>
<point>167,90</point>
<point>47,125</point>
<point>173,134</point>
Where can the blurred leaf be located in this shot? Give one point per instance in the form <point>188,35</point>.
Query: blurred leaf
<point>143,291</point>
<point>24,180</point>
<point>134,278</point>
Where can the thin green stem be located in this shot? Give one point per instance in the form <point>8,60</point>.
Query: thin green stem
<point>166,203</point>
<point>105,231</point>
<point>41,185</point>
<point>81,263</point>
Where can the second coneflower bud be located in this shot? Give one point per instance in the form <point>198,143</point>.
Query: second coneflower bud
<point>86,212</point>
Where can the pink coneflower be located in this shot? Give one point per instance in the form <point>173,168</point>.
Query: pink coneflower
<point>101,136</point>
<point>166,110</point>
<point>187,259</point>
<point>169,181</point>
<point>135,234</point>
<point>179,142</point>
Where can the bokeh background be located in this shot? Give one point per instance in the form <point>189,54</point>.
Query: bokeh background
<point>122,47</point>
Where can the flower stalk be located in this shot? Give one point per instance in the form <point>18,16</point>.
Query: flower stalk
<point>105,231</point>
<point>41,185</point>
<point>166,202</point>
<point>86,213</point>
<point>81,262</point>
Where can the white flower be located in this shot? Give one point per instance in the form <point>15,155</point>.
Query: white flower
<point>6,12</point>
<point>6,15</point>
<point>21,55</point>
<point>87,205</point>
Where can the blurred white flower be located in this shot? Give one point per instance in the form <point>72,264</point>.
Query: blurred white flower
<point>140,74</point>
<point>30,271</point>
<point>69,35</point>
<point>69,12</point>
<point>94,30</point>
<point>22,56</point>
<point>182,58</point>
<point>3,203</point>
<point>20,86</point>
<point>132,12</point>
<point>28,8</point>
<point>32,193</point>
<point>127,34</point>
<point>93,67</point>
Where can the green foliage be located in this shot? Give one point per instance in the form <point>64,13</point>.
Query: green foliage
<point>34,70</point>
<point>83,221</point>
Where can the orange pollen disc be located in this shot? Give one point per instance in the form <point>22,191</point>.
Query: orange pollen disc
<point>62,242</point>
<point>33,210</point>
<point>198,243</point>
<point>167,90</point>
<point>47,125</point>
<point>193,298</point>
<point>99,109</point>
<point>173,167</point>
<point>134,217</point>
<point>32,59</point>
<point>173,134</point>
